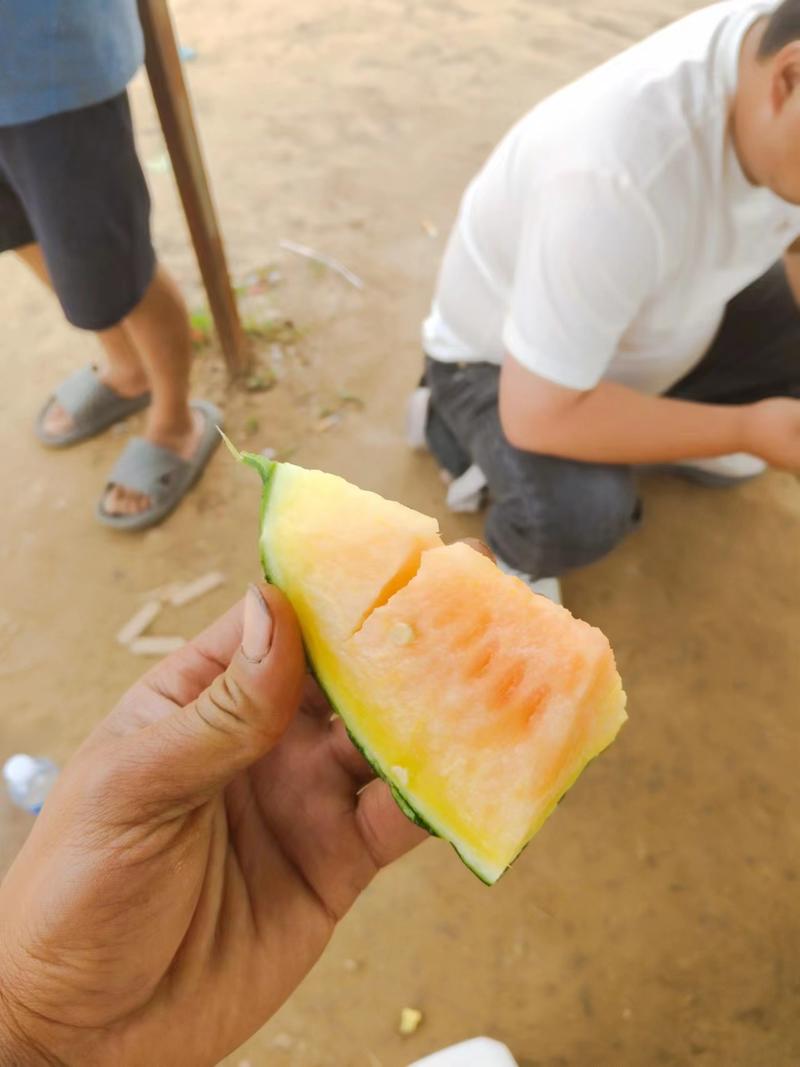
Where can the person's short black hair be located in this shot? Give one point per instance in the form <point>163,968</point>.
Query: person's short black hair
<point>782,28</point>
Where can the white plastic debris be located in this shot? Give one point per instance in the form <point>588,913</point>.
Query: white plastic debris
<point>194,590</point>
<point>161,592</point>
<point>327,261</point>
<point>156,646</point>
<point>137,625</point>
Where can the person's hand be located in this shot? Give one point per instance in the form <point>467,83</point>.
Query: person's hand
<point>192,860</point>
<point>773,432</point>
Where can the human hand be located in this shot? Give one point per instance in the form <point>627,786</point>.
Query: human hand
<point>193,859</point>
<point>773,432</point>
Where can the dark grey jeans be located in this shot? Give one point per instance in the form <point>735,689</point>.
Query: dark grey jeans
<point>548,515</point>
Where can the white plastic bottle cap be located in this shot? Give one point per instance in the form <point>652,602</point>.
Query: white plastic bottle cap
<point>480,1052</point>
<point>18,769</point>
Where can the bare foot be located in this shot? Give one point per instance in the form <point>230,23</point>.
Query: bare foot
<point>121,501</point>
<point>58,420</point>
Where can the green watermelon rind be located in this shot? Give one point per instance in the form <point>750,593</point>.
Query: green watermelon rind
<point>267,469</point>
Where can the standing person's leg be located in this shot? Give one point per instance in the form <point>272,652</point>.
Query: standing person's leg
<point>546,515</point>
<point>159,329</point>
<point>92,223</point>
<point>121,369</point>
<point>149,350</point>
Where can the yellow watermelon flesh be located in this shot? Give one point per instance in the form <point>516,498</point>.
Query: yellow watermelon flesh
<point>479,702</point>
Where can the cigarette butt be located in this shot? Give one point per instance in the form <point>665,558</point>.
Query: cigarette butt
<point>156,646</point>
<point>194,590</point>
<point>137,625</point>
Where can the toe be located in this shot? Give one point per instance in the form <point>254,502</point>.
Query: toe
<point>57,420</point>
<point>111,503</point>
<point>122,501</point>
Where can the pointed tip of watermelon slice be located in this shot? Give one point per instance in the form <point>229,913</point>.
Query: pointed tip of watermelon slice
<point>231,447</point>
<point>264,466</point>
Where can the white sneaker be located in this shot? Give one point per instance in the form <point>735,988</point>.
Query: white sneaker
<point>480,1052</point>
<point>467,495</point>
<point>549,587</point>
<point>722,470</point>
<point>417,418</point>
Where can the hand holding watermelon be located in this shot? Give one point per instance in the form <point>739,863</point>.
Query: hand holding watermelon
<point>193,859</point>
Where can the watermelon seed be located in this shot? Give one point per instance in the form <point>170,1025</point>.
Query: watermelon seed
<point>402,633</point>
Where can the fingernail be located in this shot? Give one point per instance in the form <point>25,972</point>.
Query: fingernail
<point>257,631</point>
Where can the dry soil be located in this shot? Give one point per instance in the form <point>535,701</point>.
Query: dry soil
<point>655,919</point>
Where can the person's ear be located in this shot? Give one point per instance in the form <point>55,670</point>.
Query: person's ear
<point>785,76</point>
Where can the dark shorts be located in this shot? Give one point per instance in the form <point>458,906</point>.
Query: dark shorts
<point>73,184</point>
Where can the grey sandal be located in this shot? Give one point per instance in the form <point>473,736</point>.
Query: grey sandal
<point>92,405</point>
<point>160,473</point>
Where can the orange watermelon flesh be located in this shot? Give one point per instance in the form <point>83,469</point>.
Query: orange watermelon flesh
<point>487,698</point>
<point>479,702</point>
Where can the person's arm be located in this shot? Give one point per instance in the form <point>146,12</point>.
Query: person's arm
<point>589,258</point>
<point>615,424</point>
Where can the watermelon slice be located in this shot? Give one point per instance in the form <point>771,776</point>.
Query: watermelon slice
<point>479,702</point>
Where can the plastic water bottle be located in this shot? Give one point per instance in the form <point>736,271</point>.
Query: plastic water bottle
<point>28,780</point>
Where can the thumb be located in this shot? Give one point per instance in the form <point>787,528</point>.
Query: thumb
<point>196,750</point>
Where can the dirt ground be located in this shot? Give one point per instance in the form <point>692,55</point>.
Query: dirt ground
<point>655,919</point>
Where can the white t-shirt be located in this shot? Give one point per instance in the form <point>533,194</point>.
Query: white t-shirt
<point>607,231</point>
